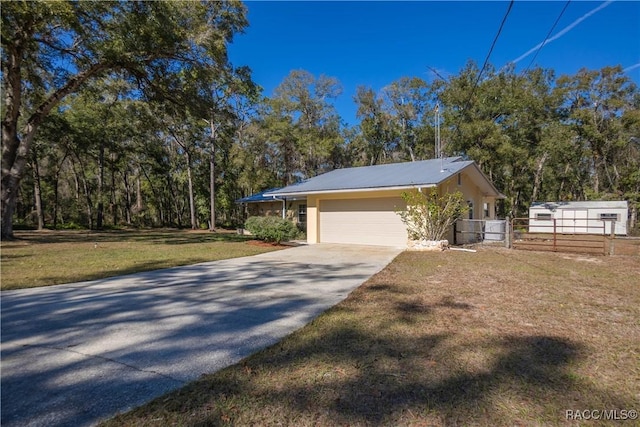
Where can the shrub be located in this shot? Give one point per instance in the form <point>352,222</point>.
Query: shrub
<point>429,216</point>
<point>271,228</point>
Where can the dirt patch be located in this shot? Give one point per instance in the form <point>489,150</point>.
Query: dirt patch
<point>263,244</point>
<point>583,259</point>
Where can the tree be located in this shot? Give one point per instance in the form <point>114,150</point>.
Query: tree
<point>307,123</point>
<point>50,49</point>
<point>376,124</point>
<point>429,216</point>
<point>407,100</point>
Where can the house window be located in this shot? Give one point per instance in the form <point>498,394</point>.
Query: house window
<point>487,214</point>
<point>543,216</point>
<point>302,214</point>
<point>459,179</point>
<point>609,217</point>
<point>470,206</point>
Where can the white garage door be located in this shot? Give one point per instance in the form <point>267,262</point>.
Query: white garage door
<point>363,222</point>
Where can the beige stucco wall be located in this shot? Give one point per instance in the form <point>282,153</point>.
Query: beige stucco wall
<point>470,192</point>
<point>467,187</point>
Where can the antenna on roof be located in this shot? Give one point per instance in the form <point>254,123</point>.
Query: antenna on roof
<point>438,148</point>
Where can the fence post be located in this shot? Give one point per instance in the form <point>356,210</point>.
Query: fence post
<point>612,244</point>
<point>507,233</point>
<point>554,235</point>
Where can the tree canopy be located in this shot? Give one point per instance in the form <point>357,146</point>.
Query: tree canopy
<point>130,114</point>
<point>52,49</point>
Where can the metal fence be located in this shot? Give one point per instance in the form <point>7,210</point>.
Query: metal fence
<point>467,231</point>
<point>554,235</point>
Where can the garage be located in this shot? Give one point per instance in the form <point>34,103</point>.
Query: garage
<point>358,205</point>
<point>371,221</point>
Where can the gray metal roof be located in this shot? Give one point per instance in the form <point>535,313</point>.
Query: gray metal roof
<point>258,197</point>
<point>395,175</point>
<point>592,204</point>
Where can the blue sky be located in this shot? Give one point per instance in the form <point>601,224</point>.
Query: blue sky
<point>374,43</point>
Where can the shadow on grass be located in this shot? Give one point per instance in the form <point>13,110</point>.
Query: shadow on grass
<point>165,236</point>
<point>530,369</point>
<point>350,376</point>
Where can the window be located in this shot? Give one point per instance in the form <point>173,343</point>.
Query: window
<point>470,206</point>
<point>609,217</point>
<point>302,214</point>
<point>459,179</point>
<point>487,213</point>
<point>543,216</point>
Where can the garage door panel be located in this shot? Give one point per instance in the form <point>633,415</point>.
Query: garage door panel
<point>362,221</point>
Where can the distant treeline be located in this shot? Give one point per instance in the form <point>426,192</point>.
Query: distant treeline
<point>146,142</point>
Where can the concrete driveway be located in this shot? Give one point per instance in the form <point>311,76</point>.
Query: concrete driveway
<point>75,354</point>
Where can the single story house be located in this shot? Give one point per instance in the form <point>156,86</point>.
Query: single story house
<point>591,217</point>
<point>293,209</point>
<point>359,205</point>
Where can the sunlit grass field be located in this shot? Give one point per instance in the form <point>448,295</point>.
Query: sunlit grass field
<point>53,257</point>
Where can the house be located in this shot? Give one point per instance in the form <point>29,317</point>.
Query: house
<point>359,205</point>
<point>592,217</point>
<point>259,204</point>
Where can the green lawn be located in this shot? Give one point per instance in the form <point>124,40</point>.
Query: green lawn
<point>52,257</point>
<point>493,338</point>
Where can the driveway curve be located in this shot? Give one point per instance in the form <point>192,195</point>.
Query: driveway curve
<point>75,354</point>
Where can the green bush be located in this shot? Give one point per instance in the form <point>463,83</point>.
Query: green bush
<point>271,228</point>
<point>429,216</point>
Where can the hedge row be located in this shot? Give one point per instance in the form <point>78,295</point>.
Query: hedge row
<point>271,228</point>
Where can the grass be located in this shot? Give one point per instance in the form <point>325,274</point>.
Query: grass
<point>493,338</point>
<point>53,257</point>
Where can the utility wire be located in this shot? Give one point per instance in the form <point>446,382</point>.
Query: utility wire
<point>486,60</point>
<point>495,40</point>
<point>547,37</point>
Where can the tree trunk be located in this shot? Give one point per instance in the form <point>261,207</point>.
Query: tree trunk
<point>212,179</point>
<point>192,207</point>
<point>113,205</point>
<point>100,212</point>
<point>127,200</point>
<point>56,181</point>
<point>81,178</point>
<point>37,193</point>
<point>138,193</point>
<point>55,202</point>
<point>212,189</point>
<point>15,150</point>
<point>537,180</point>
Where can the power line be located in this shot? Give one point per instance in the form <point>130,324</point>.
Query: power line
<point>486,61</point>
<point>547,37</point>
<point>495,40</point>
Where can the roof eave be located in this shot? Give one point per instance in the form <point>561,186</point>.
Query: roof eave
<point>353,190</point>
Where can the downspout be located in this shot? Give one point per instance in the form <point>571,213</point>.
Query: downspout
<point>284,206</point>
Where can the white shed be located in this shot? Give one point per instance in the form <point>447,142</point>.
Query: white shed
<point>579,217</point>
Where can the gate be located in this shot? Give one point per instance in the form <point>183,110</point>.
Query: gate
<point>560,235</point>
<point>468,231</point>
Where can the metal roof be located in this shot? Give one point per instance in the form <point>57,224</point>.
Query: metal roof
<point>592,204</point>
<point>426,173</point>
<point>263,196</point>
<point>258,197</point>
